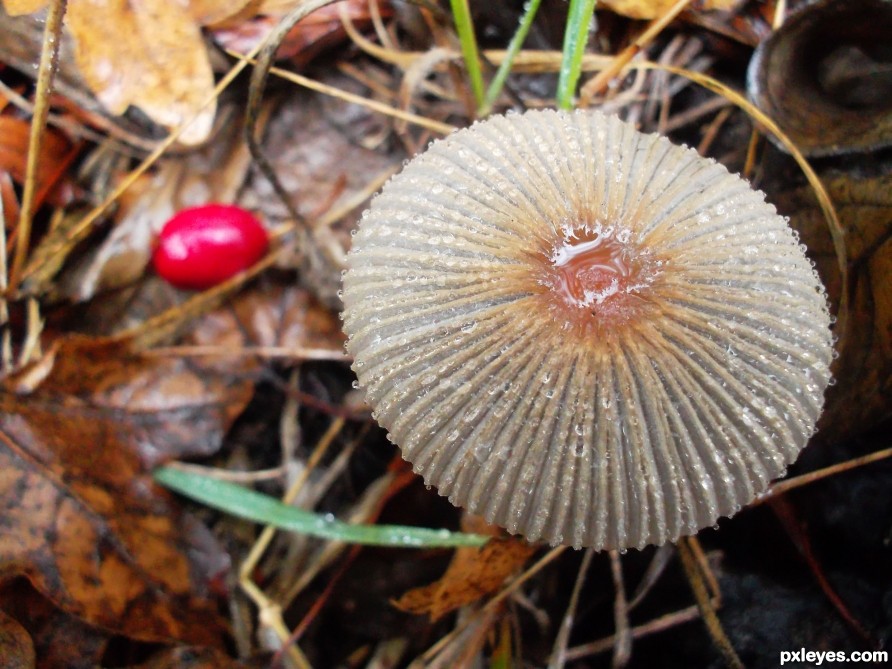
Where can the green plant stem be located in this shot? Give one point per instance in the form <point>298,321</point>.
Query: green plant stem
<point>575,37</point>
<point>465,29</point>
<point>498,82</point>
<point>250,505</point>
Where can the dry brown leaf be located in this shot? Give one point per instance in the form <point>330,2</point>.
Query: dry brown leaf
<point>82,519</point>
<point>318,31</point>
<point>55,154</point>
<point>472,574</point>
<point>58,639</point>
<point>209,12</point>
<point>285,317</point>
<point>148,54</point>
<point>19,7</point>
<point>651,9</point>
<point>16,644</point>
<point>197,658</point>
<point>862,395</point>
<point>314,142</point>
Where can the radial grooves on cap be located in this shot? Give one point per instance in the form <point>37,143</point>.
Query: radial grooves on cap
<point>652,429</point>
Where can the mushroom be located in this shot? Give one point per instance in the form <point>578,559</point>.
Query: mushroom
<point>585,334</point>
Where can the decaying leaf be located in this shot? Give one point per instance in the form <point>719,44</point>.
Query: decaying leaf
<point>862,395</point>
<point>651,9</point>
<point>314,143</point>
<point>287,317</point>
<point>197,658</point>
<point>311,35</point>
<point>472,574</point>
<point>16,645</point>
<point>149,54</point>
<point>17,7</point>
<point>56,153</point>
<point>82,520</point>
<point>58,638</point>
<point>162,66</point>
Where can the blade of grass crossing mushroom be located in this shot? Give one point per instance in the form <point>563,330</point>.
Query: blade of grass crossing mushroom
<point>465,29</point>
<point>250,505</point>
<point>498,81</point>
<point>575,37</point>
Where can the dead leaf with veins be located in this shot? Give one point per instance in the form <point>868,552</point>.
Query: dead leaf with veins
<point>83,522</point>
<point>149,54</point>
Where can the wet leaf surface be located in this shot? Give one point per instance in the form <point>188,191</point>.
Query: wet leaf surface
<point>863,372</point>
<point>82,520</point>
<point>16,644</point>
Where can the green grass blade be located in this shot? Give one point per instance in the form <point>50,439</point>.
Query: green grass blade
<point>578,20</point>
<point>495,86</point>
<point>465,29</point>
<point>251,505</point>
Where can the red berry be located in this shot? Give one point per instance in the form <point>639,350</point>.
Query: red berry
<point>200,247</point>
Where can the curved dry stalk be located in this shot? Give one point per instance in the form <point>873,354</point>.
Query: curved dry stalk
<point>834,225</point>
<point>259,77</point>
<point>48,58</point>
<point>559,648</point>
<point>705,604</point>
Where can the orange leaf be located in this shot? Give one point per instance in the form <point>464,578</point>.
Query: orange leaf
<point>472,574</point>
<point>149,54</point>
<point>651,9</point>
<point>19,7</point>
<point>82,519</point>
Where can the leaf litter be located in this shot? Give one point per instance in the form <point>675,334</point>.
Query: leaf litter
<point>109,372</point>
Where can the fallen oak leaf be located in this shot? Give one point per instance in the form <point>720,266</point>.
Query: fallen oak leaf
<point>95,538</point>
<point>58,639</point>
<point>162,66</point>
<point>56,154</point>
<point>862,394</point>
<point>82,520</point>
<point>149,54</point>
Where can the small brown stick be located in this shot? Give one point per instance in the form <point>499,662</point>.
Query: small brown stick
<point>559,649</point>
<point>49,57</point>
<point>712,130</point>
<point>599,82</point>
<point>622,648</point>
<point>697,582</point>
<point>660,624</point>
<point>817,475</point>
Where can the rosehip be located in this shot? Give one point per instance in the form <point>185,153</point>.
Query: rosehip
<point>202,246</point>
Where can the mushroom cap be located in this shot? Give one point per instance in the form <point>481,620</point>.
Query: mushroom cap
<point>583,333</point>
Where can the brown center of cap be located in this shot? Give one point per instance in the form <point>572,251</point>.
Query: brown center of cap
<point>597,277</point>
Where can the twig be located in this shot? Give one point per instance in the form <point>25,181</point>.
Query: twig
<point>49,56</point>
<point>705,604</point>
<point>599,82</point>
<point>559,649</point>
